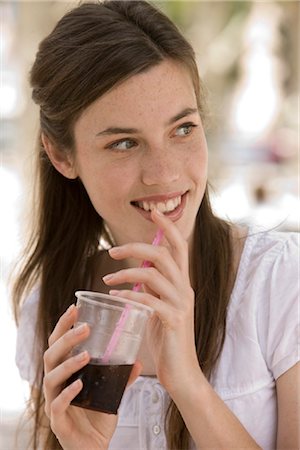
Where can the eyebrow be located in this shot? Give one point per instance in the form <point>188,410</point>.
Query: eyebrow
<point>119,130</point>
<point>182,114</point>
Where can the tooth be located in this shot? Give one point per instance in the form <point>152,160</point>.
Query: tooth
<point>161,207</point>
<point>170,205</point>
<point>146,206</point>
<point>178,201</point>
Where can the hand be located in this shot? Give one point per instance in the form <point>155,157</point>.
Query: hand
<point>168,291</point>
<point>74,427</point>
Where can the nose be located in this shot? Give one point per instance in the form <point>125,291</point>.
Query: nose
<point>160,166</point>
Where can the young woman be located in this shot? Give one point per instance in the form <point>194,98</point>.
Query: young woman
<point>122,152</point>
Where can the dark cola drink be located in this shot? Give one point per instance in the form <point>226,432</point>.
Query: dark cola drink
<point>103,386</point>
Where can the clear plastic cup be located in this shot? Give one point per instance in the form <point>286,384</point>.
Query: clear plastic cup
<point>116,326</point>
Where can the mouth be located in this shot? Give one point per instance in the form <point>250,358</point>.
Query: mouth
<point>171,205</point>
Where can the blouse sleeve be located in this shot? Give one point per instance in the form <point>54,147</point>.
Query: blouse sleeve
<point>27,348</point>
<point>280,308</point>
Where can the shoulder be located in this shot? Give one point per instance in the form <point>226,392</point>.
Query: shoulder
<point>27,348</point>
<point>271,243</point>
<point>268,260</point>
<point>266,296</point>
<point>30,304</point>
<point>267,252</point>
<point>29,308</point>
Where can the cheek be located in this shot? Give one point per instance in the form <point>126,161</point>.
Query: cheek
<point>107,188</point>
<point>118,181</point>
<point>196,162</point>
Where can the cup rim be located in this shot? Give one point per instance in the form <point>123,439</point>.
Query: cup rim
<point>112,297</point>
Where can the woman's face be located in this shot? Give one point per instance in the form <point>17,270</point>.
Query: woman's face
<point>140,146</point>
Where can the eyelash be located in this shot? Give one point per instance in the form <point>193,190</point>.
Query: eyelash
<point>114,145</point>
<point>190,125</point>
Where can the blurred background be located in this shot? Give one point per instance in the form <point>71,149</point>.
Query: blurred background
<point>248,57</point>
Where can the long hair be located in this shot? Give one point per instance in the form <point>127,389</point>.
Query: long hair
<point>92,49</point>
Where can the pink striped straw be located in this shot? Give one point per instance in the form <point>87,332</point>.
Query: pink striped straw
<point>121,322</point>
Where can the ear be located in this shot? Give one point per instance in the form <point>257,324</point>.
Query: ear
<point>63,161</point>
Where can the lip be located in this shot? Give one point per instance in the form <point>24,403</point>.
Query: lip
<point>173,215</point>
<point>160,197</point>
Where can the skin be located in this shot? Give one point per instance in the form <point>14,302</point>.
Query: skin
<point>75,428</point>
<point>161,157</point>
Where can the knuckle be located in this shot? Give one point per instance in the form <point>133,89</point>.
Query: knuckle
<point>46,383</point>
<point>69,364</point>
<point>150,272</point>
<point>47,410</point>
<point>65,338</point>
<point>162,249</point>
<point>50,340</point>
<point>54,408</point>
<point>46,357</point>
<point>162,252</point>
<point>147,275</point>
<point>68,337</point>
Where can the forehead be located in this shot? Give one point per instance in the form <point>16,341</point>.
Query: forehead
<point>160,91</point>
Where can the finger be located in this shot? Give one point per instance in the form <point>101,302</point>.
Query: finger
<point>62,402</point>
<point>150,277</point>
<point>159,257</point>
<point>179,246</point>
<point>167,314</point>
<point>54,380</point>
<point>62,347</point>
<point>65,322</point>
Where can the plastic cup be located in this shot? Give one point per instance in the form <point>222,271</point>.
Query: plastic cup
<point>104,379</point>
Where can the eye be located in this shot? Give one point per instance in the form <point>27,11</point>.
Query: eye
<point>122,145</point>
<point>185,129</point>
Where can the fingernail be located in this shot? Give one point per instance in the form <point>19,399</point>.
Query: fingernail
<point>114,250</point>
<point>82,356</point>
<point>75,385</point>
<point>107,277</point>
<point>158,212</point>
<point>114,292</point>
<point>70,309</point>
<point>81,329</point>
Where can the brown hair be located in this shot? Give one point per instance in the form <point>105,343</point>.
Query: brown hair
<point>92,49</point>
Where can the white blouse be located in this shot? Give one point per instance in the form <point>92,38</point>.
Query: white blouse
<point>262,342</point>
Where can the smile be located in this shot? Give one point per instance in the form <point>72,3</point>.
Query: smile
<point>171,205</point>
<point>163,207</point>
